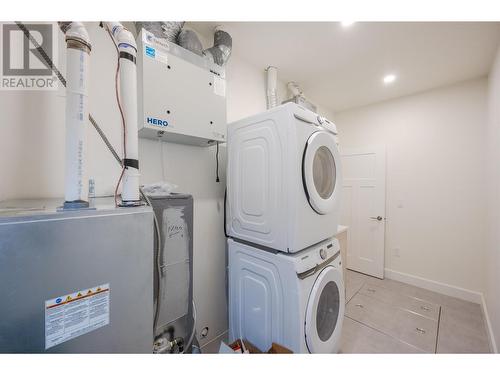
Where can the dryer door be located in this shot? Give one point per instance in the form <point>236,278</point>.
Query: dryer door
<point>325,312</point>
<point>320,164</point>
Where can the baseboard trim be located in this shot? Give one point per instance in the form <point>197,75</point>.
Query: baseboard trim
<point>435,286</point>
<point>491,336</point>
<point>448,290</point>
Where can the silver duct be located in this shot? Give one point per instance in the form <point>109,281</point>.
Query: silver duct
<point>172,31</point>
<point>298,97</point>
<point>168,30</point>
<point>189,40</point>
<point>294,89</point>
<point>221,50</point>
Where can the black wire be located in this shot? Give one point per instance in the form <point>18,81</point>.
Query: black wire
<point>225,200</point>
<point>217,179</point>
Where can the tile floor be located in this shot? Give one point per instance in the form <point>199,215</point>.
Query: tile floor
<point>386,316</point>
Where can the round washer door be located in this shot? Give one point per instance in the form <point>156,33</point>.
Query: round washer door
<point>319,171</point>
<point>325,312</point>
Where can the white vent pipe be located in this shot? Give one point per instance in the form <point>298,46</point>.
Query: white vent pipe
<point>77,113</point>
<point>127,49</point>
<point>272,79</point>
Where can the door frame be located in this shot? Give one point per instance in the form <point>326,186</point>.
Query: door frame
<point>379,149</point>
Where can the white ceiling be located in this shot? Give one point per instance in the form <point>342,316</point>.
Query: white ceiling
<point>342,68</point>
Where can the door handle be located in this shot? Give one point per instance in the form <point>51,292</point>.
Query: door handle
<point>378,218</point>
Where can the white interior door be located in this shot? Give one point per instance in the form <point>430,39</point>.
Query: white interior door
<point>363,208</point>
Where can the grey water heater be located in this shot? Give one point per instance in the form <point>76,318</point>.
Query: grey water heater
<point>75,281</point>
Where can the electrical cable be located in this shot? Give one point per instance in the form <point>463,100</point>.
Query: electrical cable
<point>155,218</point>
<point>217,163</point>
<point>225,202</point>
<point>162,164</point>
<point>193,331</point>
<point>158,259</point>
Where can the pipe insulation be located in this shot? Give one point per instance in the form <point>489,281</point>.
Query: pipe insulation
<point>272,80</point>
<point>127,49</point>
<point>77,112</point>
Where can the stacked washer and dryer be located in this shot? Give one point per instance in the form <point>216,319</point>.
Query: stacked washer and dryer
<point>283,198</point>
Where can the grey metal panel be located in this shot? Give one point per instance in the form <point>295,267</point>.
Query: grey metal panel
<point>182,325</point>
<point>46,254</point>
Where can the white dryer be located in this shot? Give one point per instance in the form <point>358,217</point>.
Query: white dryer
<point>296,300</point>
<point>283,179</point>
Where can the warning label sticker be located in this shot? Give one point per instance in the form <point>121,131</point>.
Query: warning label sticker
<point>75,314</point>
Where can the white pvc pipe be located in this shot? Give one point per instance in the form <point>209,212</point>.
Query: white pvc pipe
<point>128,98</point>
<point>272,78</point>
<point>77,70</point>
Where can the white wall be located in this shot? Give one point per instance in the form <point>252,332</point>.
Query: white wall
<point>492,287</point>
<point>435,145</point>
<point>32,158</point>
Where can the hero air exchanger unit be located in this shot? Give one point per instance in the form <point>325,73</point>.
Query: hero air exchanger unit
<point>170,80</point>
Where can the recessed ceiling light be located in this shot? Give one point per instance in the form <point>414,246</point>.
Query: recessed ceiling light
<point>346,23</point>
<point>389,78</point>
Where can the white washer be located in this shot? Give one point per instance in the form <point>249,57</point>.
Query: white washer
<point>296,300</point>
<point>284,179</point>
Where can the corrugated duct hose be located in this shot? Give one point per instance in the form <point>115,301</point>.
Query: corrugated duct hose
<point>219,53</point>
<point>168,30</point>
<point>221,50</point>
<point>110,147</point>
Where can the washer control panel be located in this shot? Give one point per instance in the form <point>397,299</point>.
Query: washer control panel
<point>327,124</point>
<point>322,253</point>
<point>318,254</point>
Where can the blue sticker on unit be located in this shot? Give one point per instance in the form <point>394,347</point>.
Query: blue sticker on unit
<point>156,121</point>
<point>150,51</point>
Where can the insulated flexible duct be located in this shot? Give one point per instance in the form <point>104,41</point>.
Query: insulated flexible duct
<point>189,40</point>
<point>166,30</point>
<point>221,50</point>
<point>171,31</point>
<point>298,96</point>
<point>294,89</point>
